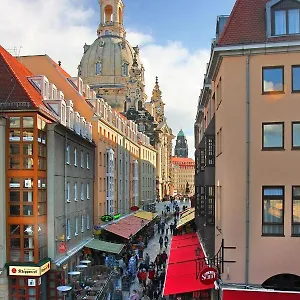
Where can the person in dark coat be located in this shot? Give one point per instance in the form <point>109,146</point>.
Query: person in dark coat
<point>161,242</point>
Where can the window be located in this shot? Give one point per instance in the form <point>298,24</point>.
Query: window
<point>68,154</point>
<point>210,205</point>
<point>272,80</point>
<point>28,122</point>
<point>219,142</point>
<point>76,226</point>
<point>68,192</point>
<point>81,192</point>
<point>295,79</point>
<point>87,191</point>
<point>87,160</point>
<point>202,201</point>
<point>209,151</point>
<point>296,211</point>
<point>125,69</point>
<point>98,68</point>
<point>286,21</point>
<point>81,159</point>
<point>273,211</point>
<point>88,222</point>
<point>68,229</point>
<point>75,157</point>
<point>295,135</point>
<point>75,191</point>
<point>82,223</point>
<point>272,136</point>
<point>219,93</point>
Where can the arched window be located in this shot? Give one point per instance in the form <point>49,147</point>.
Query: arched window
<point>108,13</point>
<point>125,69</point>
<point>98,68</point>
<point>120,16</point>
<point>283,282</point>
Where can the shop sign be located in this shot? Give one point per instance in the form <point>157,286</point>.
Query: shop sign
<point>62,247</point>
<point>208,275</point>
<point>31,282</point>
<point>117,216</point>
<point>29,271</point>
<point>106,218</point>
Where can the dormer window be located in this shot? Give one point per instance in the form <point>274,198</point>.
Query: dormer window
<point>286,22</point>
<point>98,68</point>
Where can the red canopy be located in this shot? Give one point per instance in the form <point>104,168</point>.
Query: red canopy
<point>127,226</point>
<point>259,295</point>
<point>181,271</point>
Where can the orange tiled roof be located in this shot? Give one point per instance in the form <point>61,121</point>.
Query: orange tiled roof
<point>182,160</point>
<point>66,74</point>
<point>21,90</point>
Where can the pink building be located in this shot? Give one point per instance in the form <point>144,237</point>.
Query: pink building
<point>249,109</point>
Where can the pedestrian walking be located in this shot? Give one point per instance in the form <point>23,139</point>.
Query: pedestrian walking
<point>157,261</point>
<point>167,228</point>
<point>147,261</point>
<point>166,241</point>
<point>161,241</point>
<point>164,257</point>
<point>171,228</point>
<point>134,295</point>
<point>158,228</point>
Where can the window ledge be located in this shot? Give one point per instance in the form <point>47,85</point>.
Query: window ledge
<point>272,149</point>
<point>273,93</point>
<point>295,235</point>
<point>295,148</point>
<point>272,235</point>
<point>295,92</point>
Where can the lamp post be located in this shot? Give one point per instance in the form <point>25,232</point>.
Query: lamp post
<point>64,289</point>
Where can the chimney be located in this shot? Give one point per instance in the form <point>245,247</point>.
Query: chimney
<point>59,63</point>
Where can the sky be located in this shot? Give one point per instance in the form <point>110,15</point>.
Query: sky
<point>174,38</point>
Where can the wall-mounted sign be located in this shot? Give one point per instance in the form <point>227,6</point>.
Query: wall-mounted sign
<point>29,271</point>
<point>62,247</point>
<point>208,275</point>
<point>106,218</point>
<point>134,208</point>
<point>31,282</point>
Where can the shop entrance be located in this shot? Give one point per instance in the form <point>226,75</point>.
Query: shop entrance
<point>24,288</point>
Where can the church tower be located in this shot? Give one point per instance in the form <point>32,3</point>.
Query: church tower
<point>181,147</point>
<point>111,18</point>
<point>159,106</point>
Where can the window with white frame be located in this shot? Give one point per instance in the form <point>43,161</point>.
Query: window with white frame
<point>68,229</point>
<point>76,226</point>
<point>81,192</point>
<point>82,223</point>
<point>75,191</point>
<point>68,192</point>
<point>75,157</point>
<point>81,159</point>
<point>110,182</point>
<point>87,191</point>
<point>87,160</point>
<point>88,222</point>
<point>68,154</point>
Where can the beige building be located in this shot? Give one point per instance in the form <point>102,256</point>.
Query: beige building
<point>182,173</point>
<point>249,105</point>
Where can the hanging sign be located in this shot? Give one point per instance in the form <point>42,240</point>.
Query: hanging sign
<point>134,208</point>
<point>208,275</point>
<point>62,248</point>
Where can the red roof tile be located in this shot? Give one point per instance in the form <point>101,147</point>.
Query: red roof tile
<point>14,84</point>
<point>182,160</point>
<point>246,23</point>
<point>66,74</point>
<point>127,226</point>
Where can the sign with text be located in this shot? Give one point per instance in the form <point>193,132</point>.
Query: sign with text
<point>208,275</point>
<point>29,271</point>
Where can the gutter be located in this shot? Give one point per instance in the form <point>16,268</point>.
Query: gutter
<point>262,48</point>
<point>247,225</point>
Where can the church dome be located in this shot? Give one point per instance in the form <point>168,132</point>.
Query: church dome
<point>107,61</point>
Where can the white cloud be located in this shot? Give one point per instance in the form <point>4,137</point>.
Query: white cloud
<point>60,28</point>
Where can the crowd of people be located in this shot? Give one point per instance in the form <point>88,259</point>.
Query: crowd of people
<point>151,274</point>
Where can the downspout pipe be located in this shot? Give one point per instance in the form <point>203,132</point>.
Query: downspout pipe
<point>247,227</point>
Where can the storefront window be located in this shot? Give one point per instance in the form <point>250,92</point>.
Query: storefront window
<point>42,209</point>
<point>15,243</point>
<point>14,135</point>
<point>14,163</point>
<point>28,183</point>
<point>14,149</point>
<point>28,243</point>
<point>14,229</point>
<point>14,196</point>
<point>42,196</point>
<point>28,163</point>
<point>27,210</point>
<point>15,255</point>
<point>14,122</point>
<point>27,122</point>
<point>28,256</point>
<point>27,149</point>
<point>28,196</point>
<point>14,210</point>
<point>42,163</point>
<point>27,135</point>
<point>14,183</point>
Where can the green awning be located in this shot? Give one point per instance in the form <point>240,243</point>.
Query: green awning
<point>105,246</point>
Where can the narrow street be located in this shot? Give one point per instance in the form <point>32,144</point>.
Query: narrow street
<point>153,247</point>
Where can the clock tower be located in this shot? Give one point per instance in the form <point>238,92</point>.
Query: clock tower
<point>156,100</point>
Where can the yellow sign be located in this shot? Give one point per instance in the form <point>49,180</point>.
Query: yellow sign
<point>29,271</point>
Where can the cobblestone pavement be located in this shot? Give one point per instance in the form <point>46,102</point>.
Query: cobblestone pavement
<point>153,247</point>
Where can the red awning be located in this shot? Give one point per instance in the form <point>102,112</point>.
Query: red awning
<point>259,295</point>
<point>181,270</point>
<point>130,225</point>
<point>183,253</point>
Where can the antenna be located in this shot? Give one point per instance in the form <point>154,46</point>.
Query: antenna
<point>20,50</point>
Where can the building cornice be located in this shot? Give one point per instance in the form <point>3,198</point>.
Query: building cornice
<point>218,53</point>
